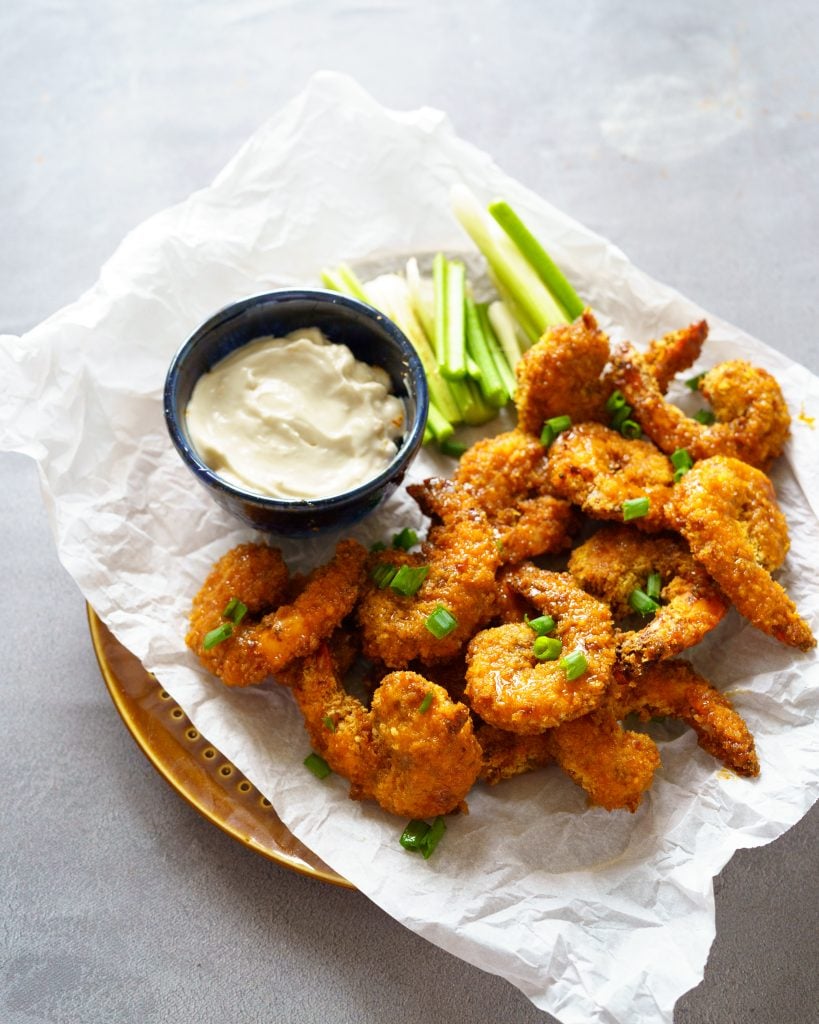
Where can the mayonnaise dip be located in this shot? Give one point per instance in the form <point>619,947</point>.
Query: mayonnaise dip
<point>295,417</point>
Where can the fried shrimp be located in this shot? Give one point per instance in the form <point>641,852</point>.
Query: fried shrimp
<point>667,356</point>
<point>617,560</point>
<point>256,575</point>
<point>413,751</point>
<point>329,594</point>
<point>509,687</point>
<point>506,754</point>
<point>614,765</point>
<point>598,469</point>
<point>673,689</point>
<point>728,513</point>
<point>506,477</point>
<point>752,419</point>
<point>561,375</point>
<point>460,558</point>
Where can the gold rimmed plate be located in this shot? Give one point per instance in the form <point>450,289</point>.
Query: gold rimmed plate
<point>194,767</point>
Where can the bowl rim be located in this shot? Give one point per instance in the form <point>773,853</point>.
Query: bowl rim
<point>411,440</point>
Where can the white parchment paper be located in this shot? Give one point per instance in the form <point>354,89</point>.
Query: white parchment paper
<point>597,917</point>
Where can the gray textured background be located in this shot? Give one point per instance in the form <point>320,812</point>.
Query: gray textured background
<point>687,133</point>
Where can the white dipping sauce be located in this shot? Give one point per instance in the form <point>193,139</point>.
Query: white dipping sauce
<point>295,417</point>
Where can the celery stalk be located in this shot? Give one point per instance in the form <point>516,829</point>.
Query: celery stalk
<point>454,362</point>
<point>489,380</point>
<point>504,326</point>
<point>505,371</point>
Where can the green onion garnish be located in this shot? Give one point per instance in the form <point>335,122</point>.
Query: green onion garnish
<point>379,545</point>
<point>217,635</point>
<point>654,584</point>
<point>681,459</point>
<point>426,703</point>
<point>329,723</point>
<point>574,664</point>
<point>642,603</point>
<point>421,837</point>
<point>547,648</point>
<point>408,579</point>
<point>406,539</point>
<point>694,382</point>
<point>454,449</point>
<point>441,622</point>
<point>542,625</point>
<point>635,508</point>
<point>235,610</point>
<point>317,765</point>
<point>552,427</point>
<point>383,574</point>
<point>631,430</point>
<point>704,416</point>
<point>620,416</point>
<point>615,401</point>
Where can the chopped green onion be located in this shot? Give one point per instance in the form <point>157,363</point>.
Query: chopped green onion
<point>635,508</point>
<point>615,401</point>
<point>552,427</point>
<point>694,382</point>
<point>317,765</point>
<point>631,430</point>
<point>547,648</point>
<point>681,459</point>
<point>235,610</point>
<point>654,584</point>
<point>441,622</point>
<point>426,703</point>
<point>408,579</point>
<point>413,834</point>
<point>217,635</point>
<point>542,625</point>
<point>642,603</point>
<point>406,539</point>
<point>383,574</point>
<point>619,416</point>
<point>433,837</point>
<point>379,545</point>
<point>329,723</point>
<point>454,449</point>
<point>574,664</point>
<point>704,416</point>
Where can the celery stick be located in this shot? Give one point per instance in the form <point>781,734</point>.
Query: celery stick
<point>504,327</point>
<point>437,424</point>
<point>478,410</point>
<point>505,371</point>
<point>439,283</point>
<point>332,280</point>
<point>537,257</point>
<point>489,379</point>
<point>420,297</point>
<point>354,286</point>
<point>454,363</point>
<point>506,261</point>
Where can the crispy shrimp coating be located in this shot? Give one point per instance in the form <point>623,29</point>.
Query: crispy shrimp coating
<point>413,751</point>
<point>561,375</point>
<point>461,556</point>
<point>256,575</point>
<point>510,688</point>
<point>599,469</point>
<point>329,594</point>
<point>674,689</point>
<point>752,418</point>
<point>728,513</point>
<point>618,560</point>
<point>506,754</point>
<point>506,477</point>
<point>667,356</point>
<point>614,765</point>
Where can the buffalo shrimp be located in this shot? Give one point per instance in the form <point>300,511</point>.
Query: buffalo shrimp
<point>752,421</point>
<point>413,750</point>
<point>617,560</point>
<point>728,513</point>
<point>507,684</point>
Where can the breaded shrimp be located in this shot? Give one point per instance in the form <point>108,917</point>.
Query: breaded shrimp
<point>414,751</point>
<point>728,513</point>
<point>461,556</point>
<point>598,469</point>
<point>617,560</point>
<point>506,754</point>
<point>328,596</point>
<point>752,418</point>
<point>667,356</point>
<point>561,375</point>
<point>506,477</point>
<point>673,689</point>
<point>510,688</point>
<point>614,766</point>
<point>256,575</point>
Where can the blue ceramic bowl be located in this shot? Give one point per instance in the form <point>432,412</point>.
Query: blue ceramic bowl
<point>370,336</point>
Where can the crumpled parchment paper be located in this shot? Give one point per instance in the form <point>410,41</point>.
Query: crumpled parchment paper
<point>597,917</point>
